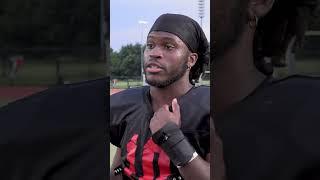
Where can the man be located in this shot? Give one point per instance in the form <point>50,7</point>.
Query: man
<point>269,128</point>
<point>162,131</point>
<point>57,134</point>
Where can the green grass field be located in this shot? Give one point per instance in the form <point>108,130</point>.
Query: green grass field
<point>306,67</point>
<point>44,72</point>
<point>4,102</point>
<point>124,84</point>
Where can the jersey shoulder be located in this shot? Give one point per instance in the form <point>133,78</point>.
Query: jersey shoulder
<point>128,96</point>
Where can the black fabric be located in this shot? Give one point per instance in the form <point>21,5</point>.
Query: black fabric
<point>131,111</point>
<point>187,29</point>
<point>156,166</point>
<point>274,132</point>
<point>138,157</point>
<point>57,134</point>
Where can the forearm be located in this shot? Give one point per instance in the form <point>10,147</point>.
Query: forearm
<point>197,169</point>
<point>112,173</point>
<point>113,177</point>
<point>116,163</point>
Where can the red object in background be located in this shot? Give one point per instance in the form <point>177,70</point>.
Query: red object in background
<point>19,62</point>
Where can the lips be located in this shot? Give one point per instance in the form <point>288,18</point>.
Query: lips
<point>153,68</point>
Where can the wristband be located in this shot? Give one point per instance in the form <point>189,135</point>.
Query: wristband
<point>194,155</point>
<point>171,139</point>
<point>118,170</point>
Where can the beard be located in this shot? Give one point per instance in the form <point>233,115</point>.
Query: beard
<point>173,76</point>
<point>228,26</point>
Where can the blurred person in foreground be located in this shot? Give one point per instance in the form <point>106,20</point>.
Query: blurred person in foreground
<point>57,134</point>
<point>269,128</point>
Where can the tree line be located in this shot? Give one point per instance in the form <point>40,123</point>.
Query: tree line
<point>49,24</point>
<point>126,63</point>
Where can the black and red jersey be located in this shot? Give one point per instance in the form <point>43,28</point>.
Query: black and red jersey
<point>131,111</point>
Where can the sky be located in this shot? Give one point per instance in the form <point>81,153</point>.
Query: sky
<point>125,15</point>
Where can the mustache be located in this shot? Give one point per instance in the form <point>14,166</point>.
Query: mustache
<point>153,62</point>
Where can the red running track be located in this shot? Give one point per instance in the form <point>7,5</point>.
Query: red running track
<point>18,92</point>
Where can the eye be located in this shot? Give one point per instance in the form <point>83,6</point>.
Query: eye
<point>149,46</point>
<point>169,46</point>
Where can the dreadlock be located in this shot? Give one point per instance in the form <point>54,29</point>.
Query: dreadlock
<point>287,19</point>
<point>199,67</point>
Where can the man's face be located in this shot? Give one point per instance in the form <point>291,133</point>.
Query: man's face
<point>165,59</point>
<point>229,18</point>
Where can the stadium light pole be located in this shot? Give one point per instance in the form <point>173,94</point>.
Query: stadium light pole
<point>201,10</point>
<point>141,52</point>
<point>102,30</point>
<point>201,16</point>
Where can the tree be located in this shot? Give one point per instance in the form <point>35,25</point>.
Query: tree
<point>52,23</point>
<point>126,62</point>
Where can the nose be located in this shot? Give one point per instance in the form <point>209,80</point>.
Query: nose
<point>155,52</point>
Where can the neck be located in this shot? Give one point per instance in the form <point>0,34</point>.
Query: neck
<point>235,75</point>
<point>162,96</point>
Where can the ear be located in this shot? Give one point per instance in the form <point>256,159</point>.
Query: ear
<point>192,59</point>
<point>260,8</point>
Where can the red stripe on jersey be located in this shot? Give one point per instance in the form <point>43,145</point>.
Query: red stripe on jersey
<point>164,162</point>
<point>131,150</point>
<point>150,148</point>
